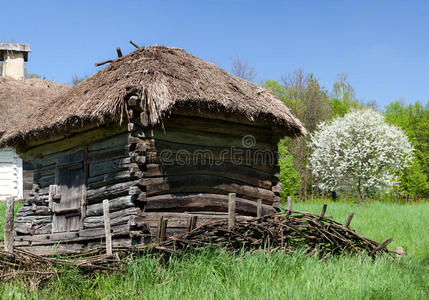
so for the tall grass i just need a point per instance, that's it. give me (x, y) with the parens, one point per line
(217, 274)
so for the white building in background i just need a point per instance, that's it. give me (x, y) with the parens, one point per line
(11, 175)
(19, 97)
(13, 57)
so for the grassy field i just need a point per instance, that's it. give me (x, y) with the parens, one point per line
(260, 275)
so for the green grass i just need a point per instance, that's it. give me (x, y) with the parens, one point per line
(2, 213)
(216, 274)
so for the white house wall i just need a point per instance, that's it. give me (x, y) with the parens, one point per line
(11, 181)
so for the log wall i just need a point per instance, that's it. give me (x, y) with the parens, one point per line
(188, 166)
(108, 175)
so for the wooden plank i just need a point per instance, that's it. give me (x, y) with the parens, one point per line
(107, 232)
(8, 225)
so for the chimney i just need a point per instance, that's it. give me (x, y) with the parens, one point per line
(13, 57)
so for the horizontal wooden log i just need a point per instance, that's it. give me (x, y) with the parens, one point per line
(108, 166)
(110, 142)
(23, 228)
(243, 174)
(109, 191)
(46, 170)
(170, 153)
(73, 139)
(185, 136)
(34, 219)
(110, 178)
(46, 181)
(48, 250)
(116, 218)
(32, 210)
(198, 202)
(114, 205)
(221, 127)
(277, 188)
(180, 220)
(97, 233)
(203, 184)
(108, 154)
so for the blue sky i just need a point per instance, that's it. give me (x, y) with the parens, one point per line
(383, 46)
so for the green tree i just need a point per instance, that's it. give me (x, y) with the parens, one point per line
(289, 176)
(308, 101)
(343, 98)
(414, 120)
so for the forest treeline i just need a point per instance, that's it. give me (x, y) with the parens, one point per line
(312, 104)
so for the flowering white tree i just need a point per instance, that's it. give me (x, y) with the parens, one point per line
(358, 152)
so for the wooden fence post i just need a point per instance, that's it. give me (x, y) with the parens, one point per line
(160, 221)
(163, 235)
(349, 219)
(8, 225)
(259, 208)
(194, 222)
(289, 202)
(107, 232)
(325, 206)
(231, 210)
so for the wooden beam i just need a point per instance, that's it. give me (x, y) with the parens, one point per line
(231, 211)
(289, 202)
(107, 232)
(259, 208)
(8, 226)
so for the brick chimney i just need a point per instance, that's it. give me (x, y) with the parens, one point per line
(13, 57)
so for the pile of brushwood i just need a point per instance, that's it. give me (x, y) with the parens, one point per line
(287, 232)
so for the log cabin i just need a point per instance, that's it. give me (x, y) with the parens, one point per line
(18, 99)
(159, 133)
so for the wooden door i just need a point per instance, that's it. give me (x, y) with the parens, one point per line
(70, 182)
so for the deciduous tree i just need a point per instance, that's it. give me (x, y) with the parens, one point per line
(358, 152)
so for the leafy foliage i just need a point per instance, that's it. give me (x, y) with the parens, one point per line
(289, 176)
(358, 152)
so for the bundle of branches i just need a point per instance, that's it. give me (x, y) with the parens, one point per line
(287, 232)
(23, 264)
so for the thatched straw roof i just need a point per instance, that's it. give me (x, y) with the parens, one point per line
(168, 79)
(19, 98)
